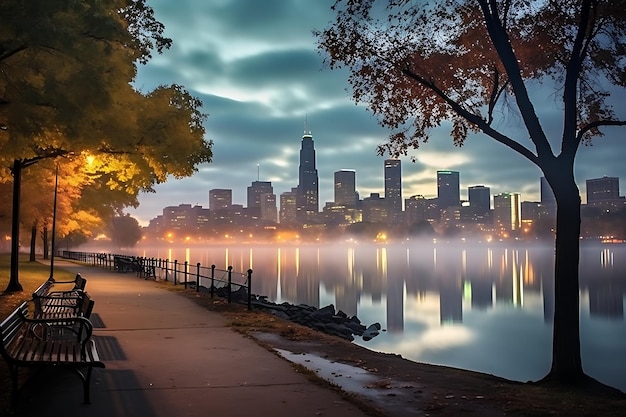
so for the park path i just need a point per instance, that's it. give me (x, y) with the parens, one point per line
(166, 356)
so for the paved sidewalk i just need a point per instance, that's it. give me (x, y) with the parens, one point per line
(166, 356)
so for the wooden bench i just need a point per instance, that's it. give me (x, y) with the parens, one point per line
(122, 264)
(49, 304)
(79, 283)
(27, 344)
(143, 268)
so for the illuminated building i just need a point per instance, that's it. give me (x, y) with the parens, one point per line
(448, 189)
(393, 189)
(307, 205)
(507, 211)
(345, 188)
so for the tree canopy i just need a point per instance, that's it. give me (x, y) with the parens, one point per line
(418, 64)
(66, 93)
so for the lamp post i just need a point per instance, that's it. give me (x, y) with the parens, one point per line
(54, 222)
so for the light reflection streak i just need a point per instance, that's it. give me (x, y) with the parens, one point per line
(279, 292)
(464, 262)
(606, 259)
(350, 259)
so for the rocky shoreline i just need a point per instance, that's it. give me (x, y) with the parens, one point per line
(325, 319)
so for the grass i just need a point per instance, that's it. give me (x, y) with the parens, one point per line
(31, 276)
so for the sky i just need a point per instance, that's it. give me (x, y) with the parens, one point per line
(256, 67)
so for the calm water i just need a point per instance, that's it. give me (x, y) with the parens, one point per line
(484, 308)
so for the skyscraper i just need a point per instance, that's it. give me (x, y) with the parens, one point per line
(287, 214)
(268, 207)
(220, 199)
(256, 190)
(345, 188)
(308, 188)
(393, 188)
(507, 211)
(479, 199)
(448, 189)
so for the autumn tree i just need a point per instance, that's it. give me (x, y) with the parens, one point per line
(66, 72)
(124, 231)
(416, 65)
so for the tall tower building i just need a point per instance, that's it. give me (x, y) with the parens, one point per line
(256, 190)
(393, 189)
(479, 199)
(288, 207)
(345, 188)
(448, 189)
(220, 199)
(507, 211)
(268, 207)
(307, 205)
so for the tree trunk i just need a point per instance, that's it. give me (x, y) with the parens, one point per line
(566, 360)
(44, 237)
(14, 283)
(33, 241)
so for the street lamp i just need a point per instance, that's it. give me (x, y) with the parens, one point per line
(54, 222)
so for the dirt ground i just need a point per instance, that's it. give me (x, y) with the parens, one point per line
(422, 389)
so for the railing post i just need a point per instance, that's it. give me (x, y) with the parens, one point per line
(249, 289)
(212, 280)
(186, 270)
(198, 277)
(175, 270)
(167, 270)
(230, 280)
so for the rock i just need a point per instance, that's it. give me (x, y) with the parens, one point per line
(371, 332)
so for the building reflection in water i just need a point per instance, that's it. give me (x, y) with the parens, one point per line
(463, 277)
(432, 298)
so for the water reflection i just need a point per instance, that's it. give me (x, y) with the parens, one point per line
(486, 308)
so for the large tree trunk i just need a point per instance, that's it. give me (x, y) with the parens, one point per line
(566, 360)
(14, 283)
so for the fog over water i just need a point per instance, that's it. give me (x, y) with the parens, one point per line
(484, 307)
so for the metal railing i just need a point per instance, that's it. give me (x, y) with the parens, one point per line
(221, 282)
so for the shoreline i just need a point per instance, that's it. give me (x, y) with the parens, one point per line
(401, 387)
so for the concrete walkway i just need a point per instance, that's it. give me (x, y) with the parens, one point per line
(166, 356)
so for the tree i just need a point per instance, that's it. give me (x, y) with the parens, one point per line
(418, 64)
(66, 72)
(125, 231)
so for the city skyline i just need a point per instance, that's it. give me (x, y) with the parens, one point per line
(256, 68)
(448, 182)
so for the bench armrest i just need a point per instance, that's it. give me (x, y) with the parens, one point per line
(83, 334)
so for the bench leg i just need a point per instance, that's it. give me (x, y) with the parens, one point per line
(86, 386)
(14, 384)
(85, 378)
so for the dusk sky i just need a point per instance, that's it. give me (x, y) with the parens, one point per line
(256, 67)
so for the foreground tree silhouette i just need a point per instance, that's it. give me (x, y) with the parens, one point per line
(66, 73)
(416, 65)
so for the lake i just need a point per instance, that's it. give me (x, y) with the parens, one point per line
(481, 307)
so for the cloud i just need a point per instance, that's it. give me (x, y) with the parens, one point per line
(256, 67)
